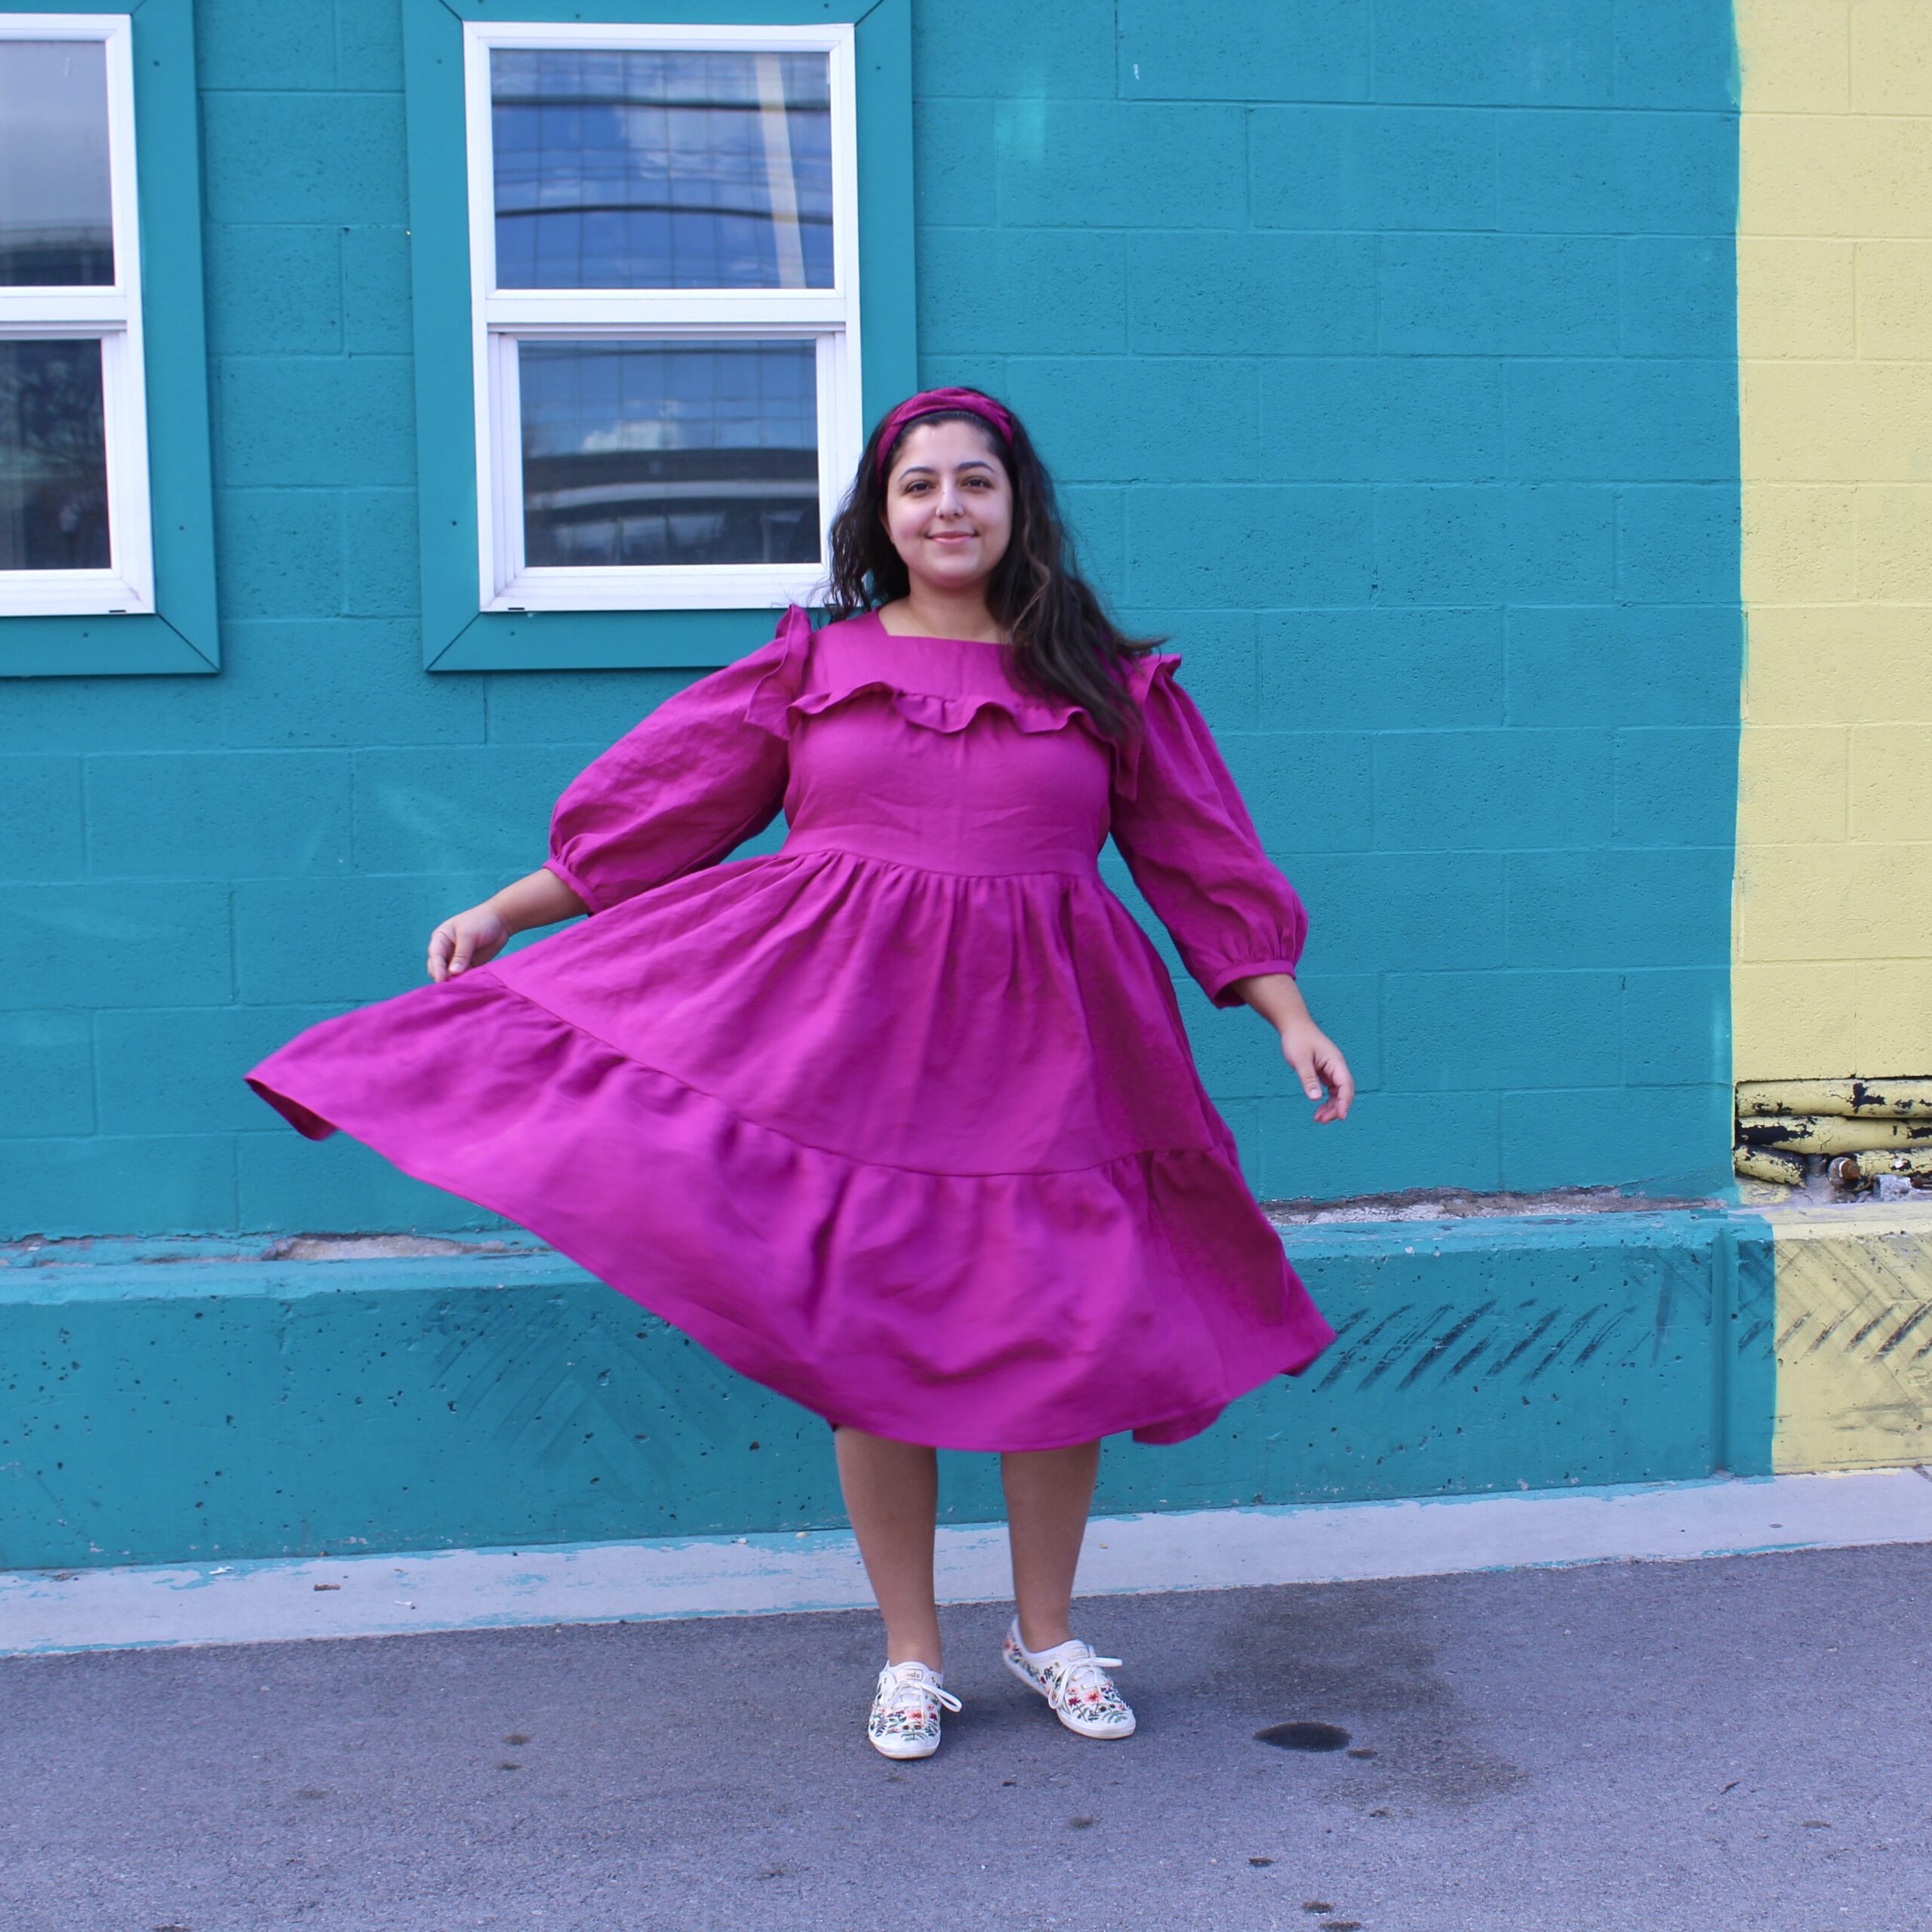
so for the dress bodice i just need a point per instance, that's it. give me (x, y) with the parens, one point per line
(988, 780)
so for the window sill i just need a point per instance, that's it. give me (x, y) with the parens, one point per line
(71, 594)
(87, 646)
(604, 640)
(690, 588)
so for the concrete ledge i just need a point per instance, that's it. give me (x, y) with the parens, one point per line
(176, 1402)
(219, 1401)
(265, 1602)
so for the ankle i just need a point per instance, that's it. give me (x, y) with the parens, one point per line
(920, 1647)
(1036, 1637)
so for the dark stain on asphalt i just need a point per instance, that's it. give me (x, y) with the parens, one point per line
(1365, 1655)
(1303, 1734)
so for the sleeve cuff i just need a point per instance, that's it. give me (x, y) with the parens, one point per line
(575, 884)
(1217, 983)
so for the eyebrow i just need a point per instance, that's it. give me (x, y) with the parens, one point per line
(971, 462)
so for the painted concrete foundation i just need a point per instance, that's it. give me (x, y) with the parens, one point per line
(207, 1405)
(181, 1402)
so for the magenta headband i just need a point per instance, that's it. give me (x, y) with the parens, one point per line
(931, 402)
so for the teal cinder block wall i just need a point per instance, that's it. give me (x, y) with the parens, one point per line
(1386, 350)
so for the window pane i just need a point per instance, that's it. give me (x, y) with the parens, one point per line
(55, 227)
(53, 457)
(618, 170)
(669, 453)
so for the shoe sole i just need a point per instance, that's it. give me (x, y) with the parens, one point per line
(1079, 1730)
(903, 1757)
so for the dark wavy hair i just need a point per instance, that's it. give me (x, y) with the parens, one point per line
(1064, 643)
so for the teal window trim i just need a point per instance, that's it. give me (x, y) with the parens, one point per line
(182, 633)
(457, 635)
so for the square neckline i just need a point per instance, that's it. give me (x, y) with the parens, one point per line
(923, 637)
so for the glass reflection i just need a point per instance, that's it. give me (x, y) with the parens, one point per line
(632, 169)
(53, 457)
(669, 453)
(56, 226)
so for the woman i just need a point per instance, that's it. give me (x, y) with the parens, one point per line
(900, 1121)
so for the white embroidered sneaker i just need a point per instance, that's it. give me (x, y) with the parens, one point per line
(906, 1711)
(1074, 1682)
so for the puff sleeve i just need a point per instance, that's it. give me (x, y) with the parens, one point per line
(1187, 838)
(704, 771)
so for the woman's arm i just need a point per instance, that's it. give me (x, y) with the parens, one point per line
(1317, 1060)
(538, 899)
(704, 771)
(475, 937)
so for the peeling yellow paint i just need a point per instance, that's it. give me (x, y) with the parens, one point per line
(1759, 1163)
(1814, 1135)
(1850, 1099)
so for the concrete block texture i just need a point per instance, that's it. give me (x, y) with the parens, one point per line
(1226, 50)
(1385, 352)
(1834, 251)
(173, 1412)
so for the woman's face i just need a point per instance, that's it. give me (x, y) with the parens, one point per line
(949, 505)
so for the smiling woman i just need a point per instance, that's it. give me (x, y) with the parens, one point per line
(900, 1121)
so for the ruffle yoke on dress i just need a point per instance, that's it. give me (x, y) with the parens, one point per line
(899, 1120)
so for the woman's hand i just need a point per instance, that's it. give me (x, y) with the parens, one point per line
(1317, 1060)
(473, 938)
(1318, 1063)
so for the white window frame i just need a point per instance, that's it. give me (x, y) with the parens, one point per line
(111, 316)
(828, 317)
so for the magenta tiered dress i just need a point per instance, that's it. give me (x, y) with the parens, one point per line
(901, 1120)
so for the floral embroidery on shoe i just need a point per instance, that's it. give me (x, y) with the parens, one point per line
(1074, 1681)
(906, 1704)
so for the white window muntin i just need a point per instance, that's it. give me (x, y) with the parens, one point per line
(113, 316)
(500, 319)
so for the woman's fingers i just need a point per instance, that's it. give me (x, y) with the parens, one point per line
(1341, 1086)
(1300, 1056)
(451, 947)
(1321, 1069)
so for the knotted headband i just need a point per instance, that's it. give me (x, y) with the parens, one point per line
(931, 402)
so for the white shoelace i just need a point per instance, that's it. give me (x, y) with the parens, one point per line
(923, 1684)
(1074, 1677)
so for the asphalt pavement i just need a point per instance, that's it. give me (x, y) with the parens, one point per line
(1716, 1746)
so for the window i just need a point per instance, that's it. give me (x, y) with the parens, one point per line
(662, 228)
(665, 265)
(73, 431)
(106, 504)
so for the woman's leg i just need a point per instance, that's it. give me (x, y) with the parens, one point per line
(1048, 1492)
(892, 1495)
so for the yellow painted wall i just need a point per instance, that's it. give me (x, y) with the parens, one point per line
(1833, 921)
(1854, 1337)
